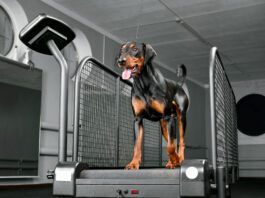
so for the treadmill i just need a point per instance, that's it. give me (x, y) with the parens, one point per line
(48, 35)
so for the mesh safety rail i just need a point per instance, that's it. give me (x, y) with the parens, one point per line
(223, 117)
(103, 113)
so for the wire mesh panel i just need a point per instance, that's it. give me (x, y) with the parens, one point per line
(220, 114)
(105, 134)
(152, 144)
(126, 118)
(223, 116)
(97, 137)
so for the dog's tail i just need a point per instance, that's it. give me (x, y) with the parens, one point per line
(181, 74)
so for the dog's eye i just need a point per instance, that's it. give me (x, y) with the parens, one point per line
(135, 49)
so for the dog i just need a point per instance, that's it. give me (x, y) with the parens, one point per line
(154, 98)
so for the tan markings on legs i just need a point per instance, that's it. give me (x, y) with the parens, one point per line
(163, 124)
(171, 146)
(137, 152)
(181, 146)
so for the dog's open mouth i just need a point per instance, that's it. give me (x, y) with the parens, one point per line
(129, 72)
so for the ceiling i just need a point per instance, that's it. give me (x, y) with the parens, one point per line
(236, 27)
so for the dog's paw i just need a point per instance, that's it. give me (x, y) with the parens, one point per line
(132, 166)
(172, 165)
(181, 159)
(173, 161)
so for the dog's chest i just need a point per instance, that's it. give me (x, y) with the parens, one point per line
(152, 108)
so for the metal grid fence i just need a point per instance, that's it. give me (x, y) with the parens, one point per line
(126, 118)
(223, 116)
(152, 153)
(105, 119)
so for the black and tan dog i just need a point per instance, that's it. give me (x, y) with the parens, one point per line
(154, 98)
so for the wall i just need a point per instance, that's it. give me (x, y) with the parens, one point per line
(50, 92)
(251, 149)
(104, 49)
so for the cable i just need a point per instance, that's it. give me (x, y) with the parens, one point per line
(138, 24)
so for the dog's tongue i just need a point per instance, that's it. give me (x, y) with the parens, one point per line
(126, 74)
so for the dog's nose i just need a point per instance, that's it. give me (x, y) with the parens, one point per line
(121, 61)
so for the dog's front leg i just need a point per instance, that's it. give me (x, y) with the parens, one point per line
(137, 153)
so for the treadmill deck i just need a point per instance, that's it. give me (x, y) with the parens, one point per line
(121, 176)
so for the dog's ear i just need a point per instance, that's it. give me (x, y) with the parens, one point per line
(149, 53)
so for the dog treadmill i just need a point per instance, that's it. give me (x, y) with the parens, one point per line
(49, 35)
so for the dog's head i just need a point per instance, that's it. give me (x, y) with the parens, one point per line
(133, 57)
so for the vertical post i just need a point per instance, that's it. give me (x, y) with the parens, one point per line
(76, 118)
(221, 185)
(63, 99)
(233, 175)
(117, 120)
(212, 107)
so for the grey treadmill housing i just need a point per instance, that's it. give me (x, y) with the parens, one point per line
(200, 186)
(74, 179)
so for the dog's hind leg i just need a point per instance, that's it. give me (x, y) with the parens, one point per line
(181, 104)
(182, 126)
(166, 126)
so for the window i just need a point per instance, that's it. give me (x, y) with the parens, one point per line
(12, 20)
(6, 32)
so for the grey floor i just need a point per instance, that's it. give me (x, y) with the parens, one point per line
(249, 188)
(245, 188)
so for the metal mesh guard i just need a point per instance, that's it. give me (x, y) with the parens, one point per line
(225, 118)
(106, 137)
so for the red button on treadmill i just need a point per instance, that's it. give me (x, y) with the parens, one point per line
(134, 192)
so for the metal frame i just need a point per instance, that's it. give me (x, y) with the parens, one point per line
(226, 173)
(63, 99)
(77, 98)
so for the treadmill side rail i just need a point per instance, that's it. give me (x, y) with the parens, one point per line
(65, 178)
